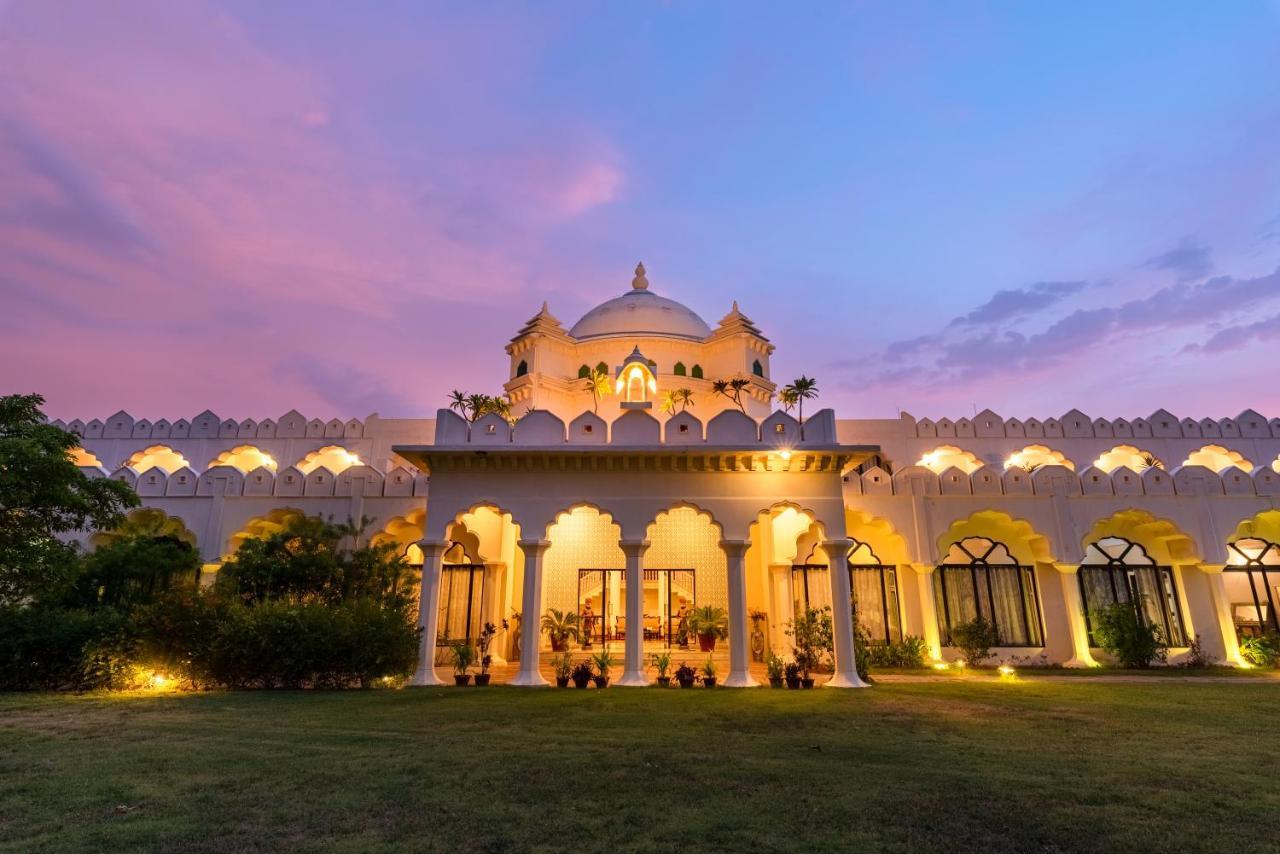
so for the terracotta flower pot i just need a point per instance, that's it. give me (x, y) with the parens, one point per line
(562, 681)
(601, 681)
(461, 679)
(706, 643)
(482, 679)
(664, 681)
(558, 645)
(708, 681)
(776, 683)
(582, 683)
(686, 683)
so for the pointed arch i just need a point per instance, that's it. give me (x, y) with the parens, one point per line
(696, 372)
(522, 368)
(678, 369)
(584, 371)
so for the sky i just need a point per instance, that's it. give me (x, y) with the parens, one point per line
(348, 208)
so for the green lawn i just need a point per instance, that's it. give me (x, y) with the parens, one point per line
(955, 764)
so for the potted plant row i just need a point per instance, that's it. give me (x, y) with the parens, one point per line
(463, 657)
(709, 673)
(563, 666)
(603, 664)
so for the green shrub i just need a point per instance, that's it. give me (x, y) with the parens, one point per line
(50, 649)
(1262, 651)
(974, 639)
(910, 653)
(1121, 632)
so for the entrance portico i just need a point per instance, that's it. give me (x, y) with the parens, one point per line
(608, 509)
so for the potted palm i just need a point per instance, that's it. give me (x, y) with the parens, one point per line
(773, 667)
(603, 663)
(562, 665)
(709, 673)
(463, 657)
(483, 642)
(709, 623)
(662, 661)
(581, 674)
(686, 675)
(561, 626)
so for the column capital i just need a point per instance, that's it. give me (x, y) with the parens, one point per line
(432, 548)
(735, 548)
(837, 549)
(534, 546)
(1066, 568)
(1208, 568)
(923, 568)
(637, 547)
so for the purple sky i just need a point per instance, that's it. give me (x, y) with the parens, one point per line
(348, 208)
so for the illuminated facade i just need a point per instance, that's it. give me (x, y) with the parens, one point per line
(626, 487)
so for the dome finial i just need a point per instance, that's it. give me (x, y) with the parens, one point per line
(640, 283)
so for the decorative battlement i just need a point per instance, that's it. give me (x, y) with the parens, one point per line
(636, 428)
(207, 425)
(1161, 424)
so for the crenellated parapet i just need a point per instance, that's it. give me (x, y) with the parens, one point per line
(1074, 424)
(1060, 480)
(638, 428)
(208, 425)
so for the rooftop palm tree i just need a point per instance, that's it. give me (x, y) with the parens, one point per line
(732, 389)
(681, 397)
(804, 388)
(598, 383)
(788, 399)
(458, 402)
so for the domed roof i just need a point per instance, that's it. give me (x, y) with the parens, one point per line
(641, 312)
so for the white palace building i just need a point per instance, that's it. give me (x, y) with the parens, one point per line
(616, 505)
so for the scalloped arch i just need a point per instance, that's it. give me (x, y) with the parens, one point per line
(1218, 458)
(878, 534)
(157, 456)
(1261, 526)
(1163, 541)
(944, 457)
(87, 459)
(245, 458)
(335, 458)
(145, 522)
(1130, 456)
(1034, 456)
(259, 527)
(685, 505)
(1026, 544)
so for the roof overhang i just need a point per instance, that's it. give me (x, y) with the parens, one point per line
(837, 459)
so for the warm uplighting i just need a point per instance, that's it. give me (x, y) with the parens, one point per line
(945, 457)
(333, 457)
(786, 455)
(633, 382)
(246, 458)
(940, 665)
(157, 456)
(1128, 456)
(1007, 671)
(1218, 459)
(1035, 456)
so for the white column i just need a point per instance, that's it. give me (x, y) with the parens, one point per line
(926, 578)
(1221, 604)
(735, 552)
(429, 612)
(531, 615)
(492, 607)
(846, 670)
(633, 660)
(1081, 655)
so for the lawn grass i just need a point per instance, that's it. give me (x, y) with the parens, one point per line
(946, 765)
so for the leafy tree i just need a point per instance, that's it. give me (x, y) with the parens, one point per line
(974, 639)
(798, 391)
(133, 570)
(43, 495)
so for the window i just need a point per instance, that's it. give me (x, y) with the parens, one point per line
(873, 588)
(461, 595)
(684, 428)
(653, 366)
(979, 578)
(696, 373)
(1117, 570)
(587, 428)
(678, 370)
(522, 368)
(602, 368)
(757, 368)
(779, 428)
(1256, 563)
(584, 372)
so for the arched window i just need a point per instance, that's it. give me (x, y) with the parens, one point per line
(602, 368)
(653, 366)
(584, 372)
(522, 368)
(157, 456)
(1253, 605)
(1116, 570)
(1033, 457)
(757, 368)
(696, 373)
(979, 578)
(333, 457)
(946, 457)
(1129, 456)
(678, 370)
(246, 458)
(1218, 459)
(873, 590)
